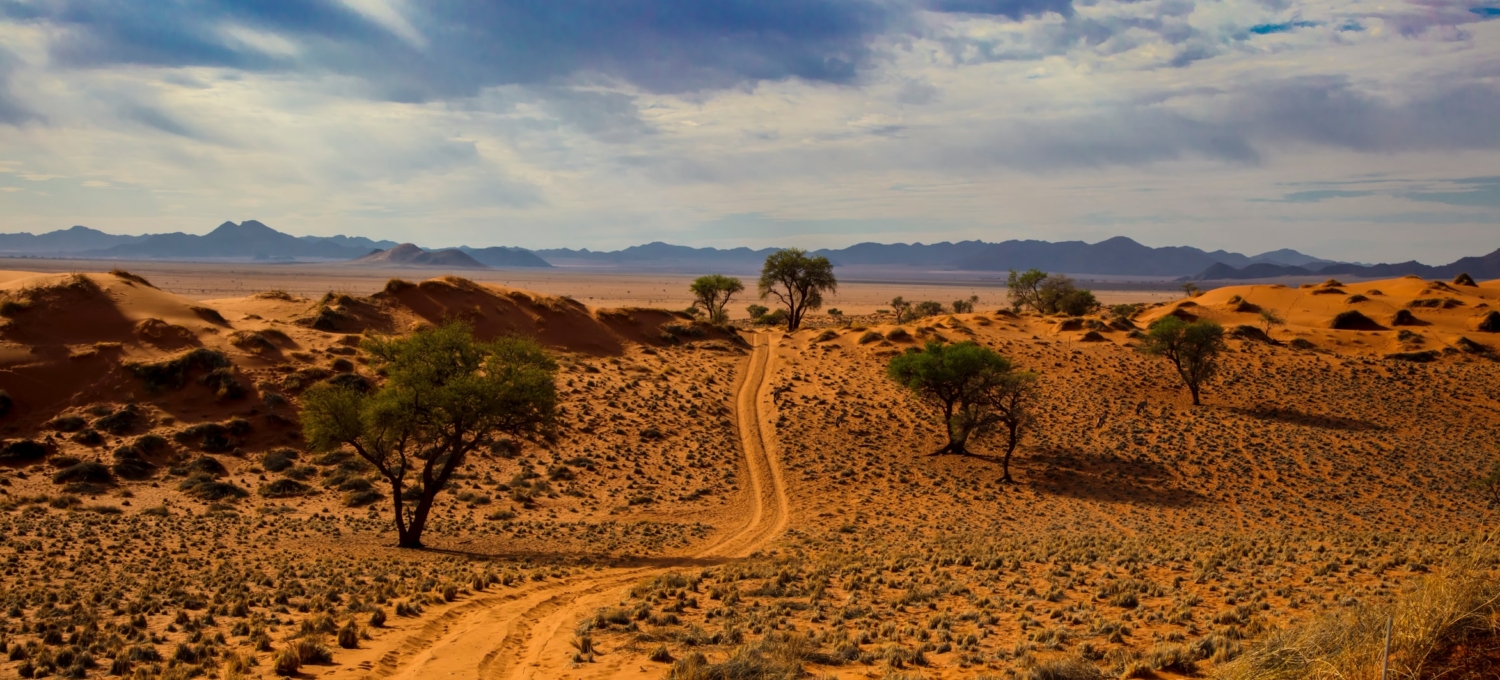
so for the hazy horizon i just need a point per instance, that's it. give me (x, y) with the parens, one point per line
(1344, 130)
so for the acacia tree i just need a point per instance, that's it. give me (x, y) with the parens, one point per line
(713, 293)
(978, 390)
(446, 395)
(798, 281)
(1025, 289)
(1193, 348)
(1270, 319)
(902, 308)
(1048, 293)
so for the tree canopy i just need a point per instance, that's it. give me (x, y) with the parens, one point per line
(446, 394)
(713, 293)
(798, 281)
(979, 392)
(1193, 348)
(1048, 293)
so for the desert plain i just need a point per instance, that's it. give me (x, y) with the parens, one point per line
(742, 501)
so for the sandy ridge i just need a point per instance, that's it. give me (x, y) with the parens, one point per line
(534, 627)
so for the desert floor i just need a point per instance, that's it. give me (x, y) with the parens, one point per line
(863, 293)
(748, 495)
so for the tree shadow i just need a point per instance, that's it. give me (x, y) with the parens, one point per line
(1292, 416)
(1073, 474)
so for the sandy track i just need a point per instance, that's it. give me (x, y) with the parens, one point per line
(527, 632)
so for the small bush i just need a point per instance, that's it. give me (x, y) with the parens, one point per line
(67, 423)
(285, 488)
(1072, 668)
(22, 451)
(869, 337)
(210, 437)
(898, 334)
(121, 421)
(136, 278)
(772, 319)
(224, 384)
(206, 488)
(287, 662)
(355, 499)
(210, 315)
(353, 381)
(277, 460)
(89, 471)
(252, 342)
(348, 637)
(129, 464)
(174, 373)
(1353, 320)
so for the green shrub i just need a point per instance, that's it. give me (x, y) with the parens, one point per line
(22, 451)
(88, 471)
(173, 373)
(67, 423)
(205, 488)
(285, 488)
(121, 421)
(129, 464)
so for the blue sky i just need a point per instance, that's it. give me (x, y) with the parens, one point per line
(1355, 130)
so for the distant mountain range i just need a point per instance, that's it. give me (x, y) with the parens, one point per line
(1485, 267)
(252, 240)
(1119, 256)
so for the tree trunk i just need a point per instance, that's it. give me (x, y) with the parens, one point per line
(1010, 447)
(1193, 387)
(403, 532)
(413, 538)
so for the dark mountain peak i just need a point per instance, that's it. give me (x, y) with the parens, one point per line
(226, 227)
(404, 251)
(255, 225)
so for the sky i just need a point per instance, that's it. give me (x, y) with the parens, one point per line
(1365, 131)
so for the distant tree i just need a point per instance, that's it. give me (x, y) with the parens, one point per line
(1049, 293)
(1124, 312)
(446, 395)
(1078, 302)
(927, 308)
(713, 293)
(1270, 319)
(1490, 483)
(1191, 289)
(965, 306)
(757, 311)
(1025, 289)
(798, 281)
(978, 391)
(837, 314)
(1193, 348)
(902, 308)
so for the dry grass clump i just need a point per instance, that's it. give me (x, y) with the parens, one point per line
(1433, 615)
(122, 274)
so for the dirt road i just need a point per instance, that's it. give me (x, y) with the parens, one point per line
(527, 632)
